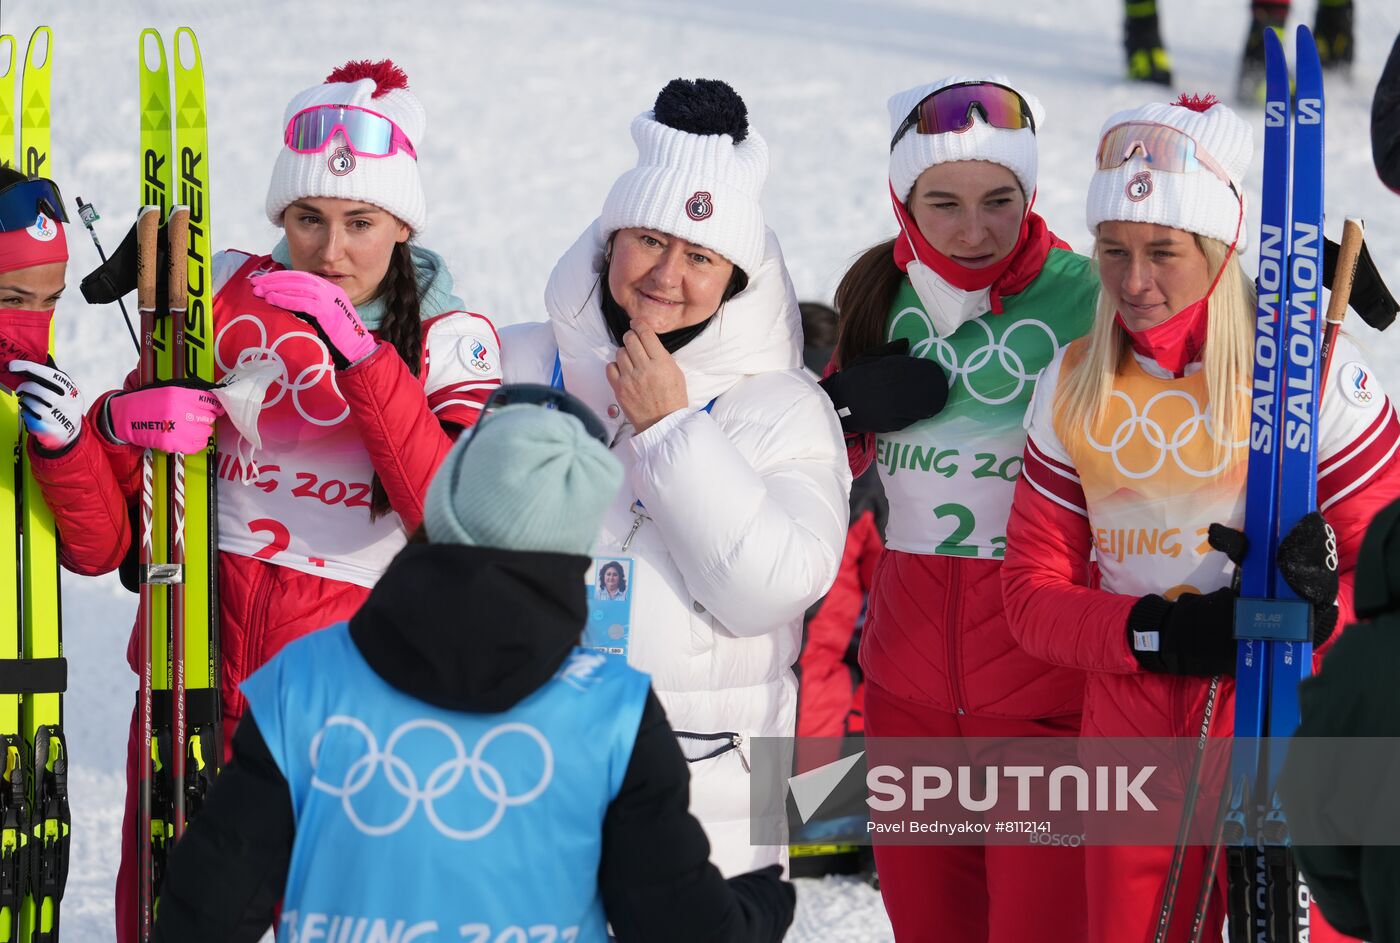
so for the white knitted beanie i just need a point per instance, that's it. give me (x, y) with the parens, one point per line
(1197, 201)
(390, 183)
(914, 153)
(700, 171)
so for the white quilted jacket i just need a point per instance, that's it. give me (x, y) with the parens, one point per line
(745, 518)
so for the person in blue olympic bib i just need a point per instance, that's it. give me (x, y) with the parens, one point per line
(433, 771)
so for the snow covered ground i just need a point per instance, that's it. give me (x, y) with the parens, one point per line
(528, 104)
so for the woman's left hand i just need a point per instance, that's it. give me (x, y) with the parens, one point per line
(324, 306)
(646, 379)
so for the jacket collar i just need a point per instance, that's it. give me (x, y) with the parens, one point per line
(757, 331)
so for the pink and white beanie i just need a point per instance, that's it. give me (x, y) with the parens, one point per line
(391, 183)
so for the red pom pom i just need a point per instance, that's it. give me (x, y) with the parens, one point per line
(386, 75)
(1197, 102)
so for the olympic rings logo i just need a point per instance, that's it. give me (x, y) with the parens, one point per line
(308, 378)
(1157, 439)
(1010, 364)
(444, 779)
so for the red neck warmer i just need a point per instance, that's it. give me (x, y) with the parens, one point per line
(1007, 277)
(1175, 342)
(1179, 339)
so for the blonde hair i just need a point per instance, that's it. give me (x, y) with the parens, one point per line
(1095, 360)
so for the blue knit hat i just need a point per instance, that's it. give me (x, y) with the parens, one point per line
(527, 478)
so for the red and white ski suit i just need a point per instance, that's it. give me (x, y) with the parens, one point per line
(298, 550)
(1141, 502)
(938, 658)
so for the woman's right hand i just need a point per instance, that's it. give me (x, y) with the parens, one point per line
(170, 416)
(50, 403)
(885, 390)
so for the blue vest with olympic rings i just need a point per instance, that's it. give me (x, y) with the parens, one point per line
(417, 824)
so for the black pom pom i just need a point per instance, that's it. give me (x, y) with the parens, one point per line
(702, 106)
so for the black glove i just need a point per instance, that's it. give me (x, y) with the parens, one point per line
(116, 278)
(1369, 296)
(885, 390)
(1195, 635)
(1307, 558)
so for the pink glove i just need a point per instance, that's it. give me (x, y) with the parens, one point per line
(322, 305)
(174, 416)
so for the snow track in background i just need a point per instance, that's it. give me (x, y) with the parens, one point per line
(528, 109)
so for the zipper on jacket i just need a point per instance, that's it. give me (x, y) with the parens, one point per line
(722, 742)
(638, 516)
(954, 669)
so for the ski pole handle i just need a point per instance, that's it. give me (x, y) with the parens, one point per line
(147, 232)
(1352, 233)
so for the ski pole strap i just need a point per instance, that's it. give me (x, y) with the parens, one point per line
(34, 676)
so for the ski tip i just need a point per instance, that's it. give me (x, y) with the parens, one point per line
(45, 34)
(186, 33)
(146, 211)
(152, 54)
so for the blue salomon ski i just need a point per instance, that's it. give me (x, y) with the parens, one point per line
(1268, 902)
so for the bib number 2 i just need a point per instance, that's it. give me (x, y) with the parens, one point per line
(964, 523)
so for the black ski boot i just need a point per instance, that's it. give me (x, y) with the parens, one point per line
(1334, 31)
(1142, 41)
(1262, 16)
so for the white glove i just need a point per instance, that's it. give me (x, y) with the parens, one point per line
(50, 403)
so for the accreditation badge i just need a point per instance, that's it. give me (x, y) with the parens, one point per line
(609, 581)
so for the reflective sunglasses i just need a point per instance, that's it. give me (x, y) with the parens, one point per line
(537, 394)
(367, 133)
(22, 203)
(951, 109)
(1162, 147)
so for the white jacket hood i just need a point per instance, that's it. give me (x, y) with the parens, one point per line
(756, 331)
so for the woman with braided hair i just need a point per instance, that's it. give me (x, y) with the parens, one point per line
(367, 368)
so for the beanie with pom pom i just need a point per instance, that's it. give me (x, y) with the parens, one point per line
(1196, 200)
(700, 171)
(390, 183)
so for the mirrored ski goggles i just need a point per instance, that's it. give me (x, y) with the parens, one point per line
(22, 203)
(367, 133)
(952, 108)
(1162, 147)
(537, 394)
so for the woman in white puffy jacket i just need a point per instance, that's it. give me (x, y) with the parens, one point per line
(674, 318)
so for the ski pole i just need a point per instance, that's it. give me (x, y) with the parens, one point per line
(1352, 232)
(1188, 809)
(88, 214)
(179, 230)
(146, 230)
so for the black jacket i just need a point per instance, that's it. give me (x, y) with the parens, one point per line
(1356, 694)
(226, 876)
